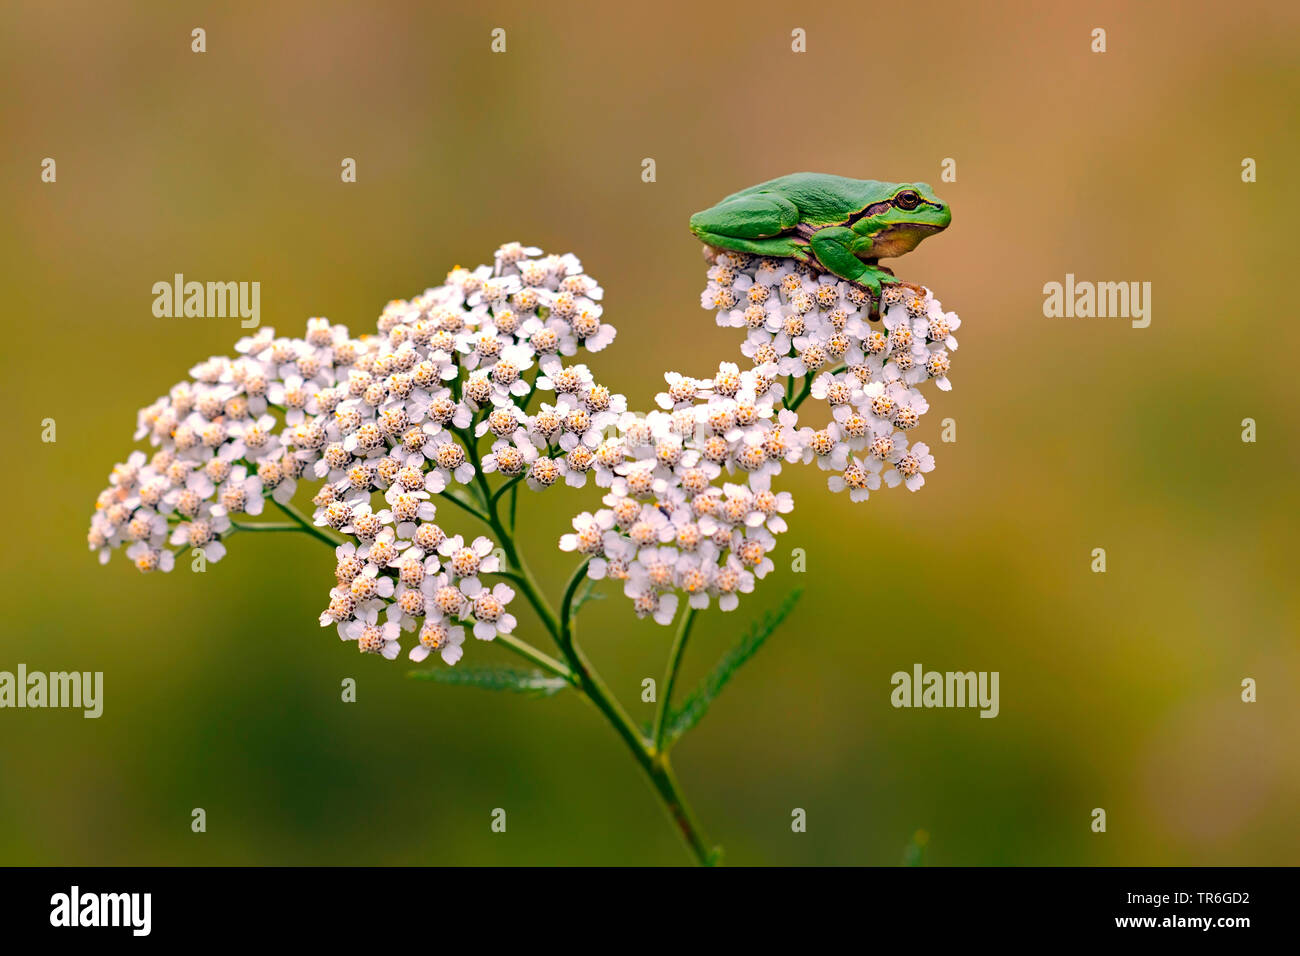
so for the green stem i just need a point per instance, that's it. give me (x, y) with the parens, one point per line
(803, 393)
(654, 763)
(670, 678)
(306, 526)
(588, 682)
(528, 399)
(679, 811)
(266, 526)
(464, 505)
(533, 593)
(566, 605)
(508, 486)
(544, 661)
(516, 570)
(480, 479)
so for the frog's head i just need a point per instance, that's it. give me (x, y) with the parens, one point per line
(906, 214)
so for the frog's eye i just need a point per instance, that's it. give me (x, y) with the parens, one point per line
(907, 199)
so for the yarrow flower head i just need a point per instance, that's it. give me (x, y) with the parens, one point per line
(691, 514)
(866, 372)
(387, 423)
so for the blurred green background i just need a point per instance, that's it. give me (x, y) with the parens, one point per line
(1118, 690)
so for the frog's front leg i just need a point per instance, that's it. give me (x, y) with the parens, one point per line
(839, 250)
(918, 289)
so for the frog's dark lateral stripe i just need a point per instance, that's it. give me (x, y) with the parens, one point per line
(876, 208)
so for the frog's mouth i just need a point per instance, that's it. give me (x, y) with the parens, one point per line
(900, 237)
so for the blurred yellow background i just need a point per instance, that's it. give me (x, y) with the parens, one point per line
(1118, 690)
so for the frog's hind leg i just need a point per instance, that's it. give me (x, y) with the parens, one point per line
(760, 223)
(754, 216)
(780, 247)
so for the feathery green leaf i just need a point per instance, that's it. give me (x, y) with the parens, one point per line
(534, 683)
(586, 593)
(697, 702)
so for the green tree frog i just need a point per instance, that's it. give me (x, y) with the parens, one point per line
(844, 226)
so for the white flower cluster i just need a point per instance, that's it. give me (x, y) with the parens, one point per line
(386, 421)
(219, 453)
(691, 510)
(670, 525)
(451, 366)
(868, 370)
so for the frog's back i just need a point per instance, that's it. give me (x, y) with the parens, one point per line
(822, 198)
